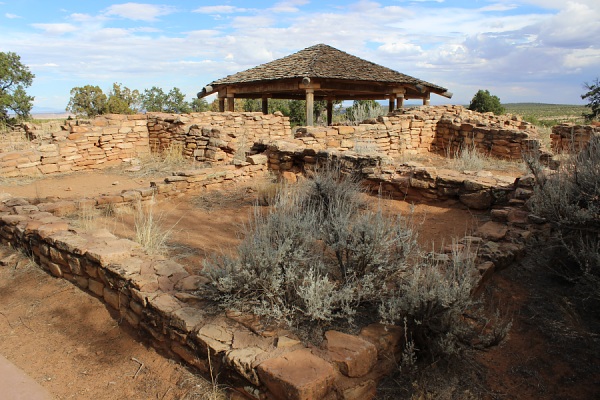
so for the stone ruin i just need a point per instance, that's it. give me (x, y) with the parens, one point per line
(157, 296)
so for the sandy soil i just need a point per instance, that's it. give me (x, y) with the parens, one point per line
(70, 343)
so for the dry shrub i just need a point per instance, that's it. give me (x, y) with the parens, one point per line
(569, 198)
(321, 257)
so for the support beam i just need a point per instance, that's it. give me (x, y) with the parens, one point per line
(400, 101)
(329, 111)
(230, 103)
(310, 104)
(392, 103)
(221, 104)
(426, 99)
(265, 105)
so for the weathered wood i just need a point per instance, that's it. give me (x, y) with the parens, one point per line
(265, 105)
(221, 104)
(230, 103)
(310, 101)
(329, 111)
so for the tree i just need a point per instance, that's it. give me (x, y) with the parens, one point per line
(483, 101)
(363, 109)
(593, 97)
(14, 78)
(88, 101)
(199, 105)
(176, 102)
(154, 99)
(122, 100)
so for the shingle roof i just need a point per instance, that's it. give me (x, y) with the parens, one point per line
(323, 61)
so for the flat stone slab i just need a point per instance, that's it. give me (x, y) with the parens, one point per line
(491, 230)
(298, 375)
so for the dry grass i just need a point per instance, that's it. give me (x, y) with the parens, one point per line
(153, 164)
(150, 230)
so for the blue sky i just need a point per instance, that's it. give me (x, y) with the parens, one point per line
(521, 50)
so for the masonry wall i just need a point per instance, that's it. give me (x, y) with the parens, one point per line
(567, 138)
(215, 137)
(77, 145)
(441, 129)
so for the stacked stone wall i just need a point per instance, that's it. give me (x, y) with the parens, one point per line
(214, 136)
(568, 138)
(441, 129)
(76, 145)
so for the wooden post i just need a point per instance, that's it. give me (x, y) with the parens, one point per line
(426, 99)
(221, 104)
(230, 103)
(310, 104)
(400, 101)
(392, 103)
(265, 105)
(329, 111)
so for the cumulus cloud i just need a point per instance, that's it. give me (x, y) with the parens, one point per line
(56, 29)
(139, 11)
(290, 6)
(12, 16)
(501, 45)
(219, 10)
(576, 26)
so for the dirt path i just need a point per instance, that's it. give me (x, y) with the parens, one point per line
(68, 341)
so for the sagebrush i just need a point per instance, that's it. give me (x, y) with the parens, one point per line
(321, 256)
(569, 198)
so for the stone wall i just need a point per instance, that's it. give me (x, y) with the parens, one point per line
(567, 138)
(226, 138)
(77, 145)
(407, 181)
(441, 129)
(214, 136)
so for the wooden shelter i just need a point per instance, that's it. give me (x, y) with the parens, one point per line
(321, 72)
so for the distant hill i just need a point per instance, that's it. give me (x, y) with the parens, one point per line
(547, 114)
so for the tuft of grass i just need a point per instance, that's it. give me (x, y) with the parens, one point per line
(154, 164)
(468, 158)
(150, 230)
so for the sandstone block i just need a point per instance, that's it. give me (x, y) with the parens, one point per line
(491, 230)
(481, 200)
(298, 375)
(257, 159)
(186, 318)
(216, 336)
(354, 356)
(96, 287)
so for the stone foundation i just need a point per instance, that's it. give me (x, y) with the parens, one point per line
(78, 145)
(440, 129)
(569, 138)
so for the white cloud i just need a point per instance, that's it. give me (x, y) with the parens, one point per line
(56, 29)
(290, 6)
(139, 11)
(218, 10)
(576, 26)
(12, 16)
